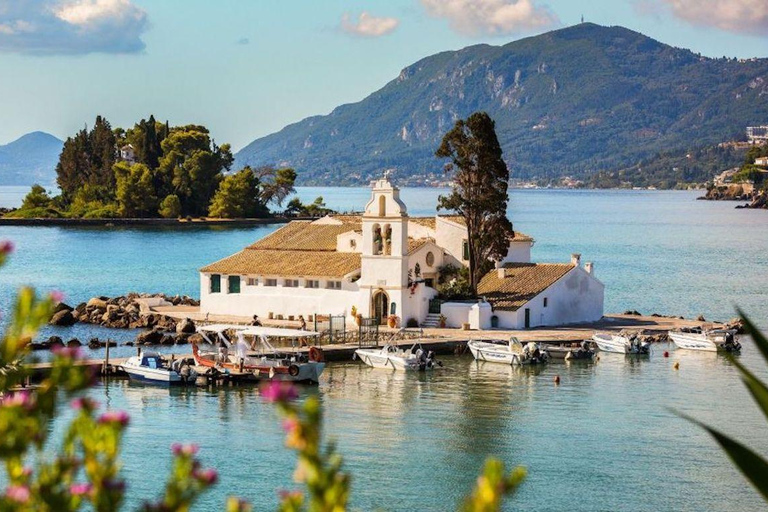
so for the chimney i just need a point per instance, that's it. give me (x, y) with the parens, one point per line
(502, 273)
(576, 259)
(590, 268)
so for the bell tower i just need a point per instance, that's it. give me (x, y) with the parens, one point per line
(384, 259)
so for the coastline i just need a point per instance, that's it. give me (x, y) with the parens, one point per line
(106, 222)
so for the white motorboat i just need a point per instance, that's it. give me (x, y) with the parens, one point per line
(395, 358)
(508, 351)
(707, 340)
(246, 349)
(151, 367)
(621, 344)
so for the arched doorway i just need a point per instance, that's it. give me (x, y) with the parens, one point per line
(380, 306)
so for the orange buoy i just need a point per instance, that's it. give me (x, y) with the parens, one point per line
(666, 354)
(557, 379)
(676, 366)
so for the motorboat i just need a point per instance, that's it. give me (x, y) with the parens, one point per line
(712, 340)
(581, 353)
(247, 349)
(621, 344)
(393, 357)
(510, 351)
(151, 367)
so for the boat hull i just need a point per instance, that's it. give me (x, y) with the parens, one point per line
(376, 359)
(308, 372)
(153, 376)
(688, 341)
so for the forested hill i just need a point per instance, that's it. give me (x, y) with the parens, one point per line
(570, 102)
(30, 159)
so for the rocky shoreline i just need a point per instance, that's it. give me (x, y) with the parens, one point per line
(753, 199)
(131, 311)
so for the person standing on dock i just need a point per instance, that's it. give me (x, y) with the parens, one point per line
(256, 321)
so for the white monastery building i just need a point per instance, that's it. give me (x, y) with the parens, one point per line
(384, 263)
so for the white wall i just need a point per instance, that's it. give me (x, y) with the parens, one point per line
(420, 257)
(519, 252)
(450, 236)
(576, 297)
(455, 313)
(279, 300)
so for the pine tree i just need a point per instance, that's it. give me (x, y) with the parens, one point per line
(479, 194)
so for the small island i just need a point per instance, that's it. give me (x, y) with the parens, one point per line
(157, 173)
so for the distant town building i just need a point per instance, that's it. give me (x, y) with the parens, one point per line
(725, 177)
(127, 153)
(762, 161)
(757, 134)
(384, 263)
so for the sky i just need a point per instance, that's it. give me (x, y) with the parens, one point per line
(246, 68)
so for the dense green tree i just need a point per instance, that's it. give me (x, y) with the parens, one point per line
(103, 154)
(170, 207)
(135, 191)
(276, 184)
(73, 168)
(480, 178)
(192, 167)
(238, 197)
(36, 198)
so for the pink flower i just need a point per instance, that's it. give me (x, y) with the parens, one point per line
(57, 296)
(19, 399)
(6, 247)
(184, 449)
(84, 403)
(277, 391)
(80, 489)
(18, 493)
(287, 495)
(290, 425)
(206, 476)
(68, 352)
(120, 417)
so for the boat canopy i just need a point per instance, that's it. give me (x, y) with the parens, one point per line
(255, 330)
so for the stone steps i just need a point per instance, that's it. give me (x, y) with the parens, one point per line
(432, 321)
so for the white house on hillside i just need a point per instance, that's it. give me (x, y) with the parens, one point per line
(384, 262)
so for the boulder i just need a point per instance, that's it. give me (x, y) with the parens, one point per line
(63, 318)
(701, 318)
(74, 342)
(632, 312)
(98, 302)
(182, 339)
(168, 339)
(196, 339)
(55, 340)
(186, 326)
(62, 307)
(166, 323)
(94, 343)
(152, 337)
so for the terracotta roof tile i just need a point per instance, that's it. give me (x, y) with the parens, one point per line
(522, 282)
(287, 263)
(303, 236)
(415, 244)
(458, 219)
(428, 222)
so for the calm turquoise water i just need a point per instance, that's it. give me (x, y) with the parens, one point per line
(602, 440)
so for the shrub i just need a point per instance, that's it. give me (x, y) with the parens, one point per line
(170, 207)
(412, 322)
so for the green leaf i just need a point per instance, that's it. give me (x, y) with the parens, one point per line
(760, 341)
(754, 385)
(752, 465)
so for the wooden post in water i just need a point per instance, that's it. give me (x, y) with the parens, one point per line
(105, 370)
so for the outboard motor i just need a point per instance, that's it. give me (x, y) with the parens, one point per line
(730, 344)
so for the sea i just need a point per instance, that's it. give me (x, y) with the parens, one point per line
(607, 438)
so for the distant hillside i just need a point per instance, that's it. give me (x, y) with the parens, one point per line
(570, 102)
(30, 159)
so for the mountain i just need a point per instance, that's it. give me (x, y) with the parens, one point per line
(30, 159)
(569, 102)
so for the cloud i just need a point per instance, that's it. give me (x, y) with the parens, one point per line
(46, 27)
(368, 25)
(738, 16)
(492, 17)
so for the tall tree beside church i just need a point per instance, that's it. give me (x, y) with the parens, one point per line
(276, 184)
(479, 195)
(238, 197)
